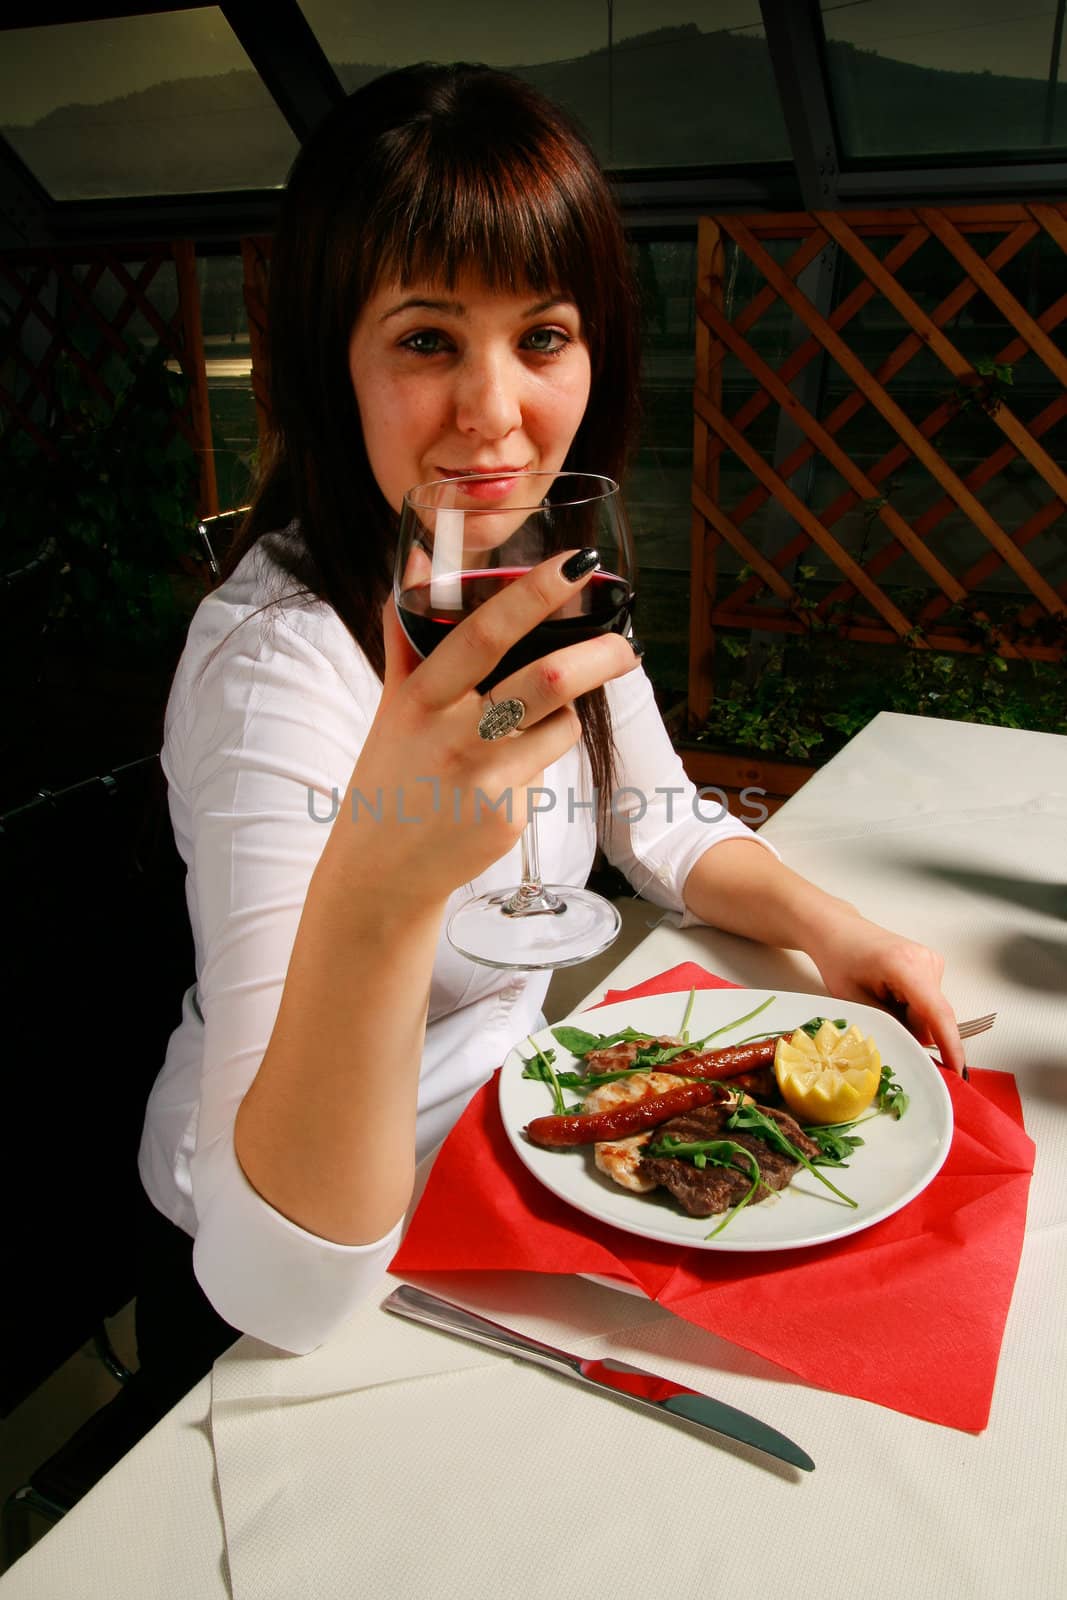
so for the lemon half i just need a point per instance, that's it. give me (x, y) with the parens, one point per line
(831, 1078)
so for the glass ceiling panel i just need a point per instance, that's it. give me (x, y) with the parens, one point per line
(654, 82)
(914, 79)
(164, 104)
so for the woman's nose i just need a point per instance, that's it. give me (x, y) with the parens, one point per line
(489, 397)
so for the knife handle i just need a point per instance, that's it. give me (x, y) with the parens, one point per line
(420, 1306)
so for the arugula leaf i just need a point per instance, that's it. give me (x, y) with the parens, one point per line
(580, 1043)
(729, 1026)
(720, 1151)
(812, 1027)
(539, 1067)
(835, 1141)
(657, 1054)
(750, 1119)
(589, 1080)
(593, 1080)
(891, 1097)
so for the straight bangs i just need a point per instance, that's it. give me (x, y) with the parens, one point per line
(521, 219)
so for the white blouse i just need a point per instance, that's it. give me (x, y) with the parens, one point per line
(266, 718)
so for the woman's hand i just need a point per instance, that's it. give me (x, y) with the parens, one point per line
(740, 887)
(362, 962)
(434, 804)
(858, 960)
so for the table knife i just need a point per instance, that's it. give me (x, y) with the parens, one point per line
(612, 1377)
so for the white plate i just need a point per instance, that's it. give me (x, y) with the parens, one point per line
(896, 1162)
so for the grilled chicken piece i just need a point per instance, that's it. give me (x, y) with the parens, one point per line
(620, 1159)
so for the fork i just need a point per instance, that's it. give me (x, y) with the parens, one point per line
(977, 1025)
(968, 1029)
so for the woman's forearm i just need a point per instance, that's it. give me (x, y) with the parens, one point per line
(742, 888)
(326, 1132)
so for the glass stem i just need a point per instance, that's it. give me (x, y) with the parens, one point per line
(532, 899)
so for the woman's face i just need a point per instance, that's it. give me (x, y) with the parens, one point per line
(468, 379)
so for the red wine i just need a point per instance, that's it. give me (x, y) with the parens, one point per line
(603, 605)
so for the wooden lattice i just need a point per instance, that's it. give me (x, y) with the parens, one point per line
(55, 299)
(879, 244)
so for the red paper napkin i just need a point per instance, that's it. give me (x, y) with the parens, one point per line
(909, 1313)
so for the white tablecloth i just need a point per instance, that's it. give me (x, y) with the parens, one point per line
(397, 1461)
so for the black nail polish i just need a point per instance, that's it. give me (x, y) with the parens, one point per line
(636, 646)
(965, 1075)
(578, 565)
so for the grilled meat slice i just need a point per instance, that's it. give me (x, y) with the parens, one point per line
(761, 1084)
(707, 1191)
(617, 1057)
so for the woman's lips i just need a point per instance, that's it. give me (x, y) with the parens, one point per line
(490, 485)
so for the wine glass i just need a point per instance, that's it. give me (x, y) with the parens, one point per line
(460, 541)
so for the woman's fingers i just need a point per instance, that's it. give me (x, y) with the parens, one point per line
(931, 1017)
(916, 986)
(866, 962)
(561, 677)
(468, 655)
(401, 657)
(526, 760)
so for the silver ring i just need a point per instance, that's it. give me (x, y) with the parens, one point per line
(498, 720)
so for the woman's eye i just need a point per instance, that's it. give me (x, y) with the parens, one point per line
(547, 341)
(424, 342)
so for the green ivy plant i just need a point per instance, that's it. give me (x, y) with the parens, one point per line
(987, 391)
(118, 497)
(808, 693)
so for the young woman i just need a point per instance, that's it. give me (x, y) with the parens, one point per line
(450, 294)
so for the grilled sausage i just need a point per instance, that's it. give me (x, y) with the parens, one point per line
(725, 1063)
(554, 1133)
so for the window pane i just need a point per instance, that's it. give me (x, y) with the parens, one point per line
(166, 104)
(910, 78)
(653, 82)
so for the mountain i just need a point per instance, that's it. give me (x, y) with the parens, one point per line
(678, 97)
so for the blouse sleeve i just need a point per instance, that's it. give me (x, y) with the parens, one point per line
(267, 750)
(659, 824)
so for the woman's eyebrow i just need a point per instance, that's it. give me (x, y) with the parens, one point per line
(452, 308)
(456, 308)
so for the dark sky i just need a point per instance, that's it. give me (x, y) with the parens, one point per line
(91, 62)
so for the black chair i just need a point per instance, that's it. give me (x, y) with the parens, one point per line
(26, 596)
(100, 954)
(217, 533)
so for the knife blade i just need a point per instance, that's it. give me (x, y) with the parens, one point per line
(616, 1378)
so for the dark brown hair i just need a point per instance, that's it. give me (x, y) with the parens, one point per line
(423, 174)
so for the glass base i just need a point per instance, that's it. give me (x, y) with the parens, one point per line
(483, 931)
